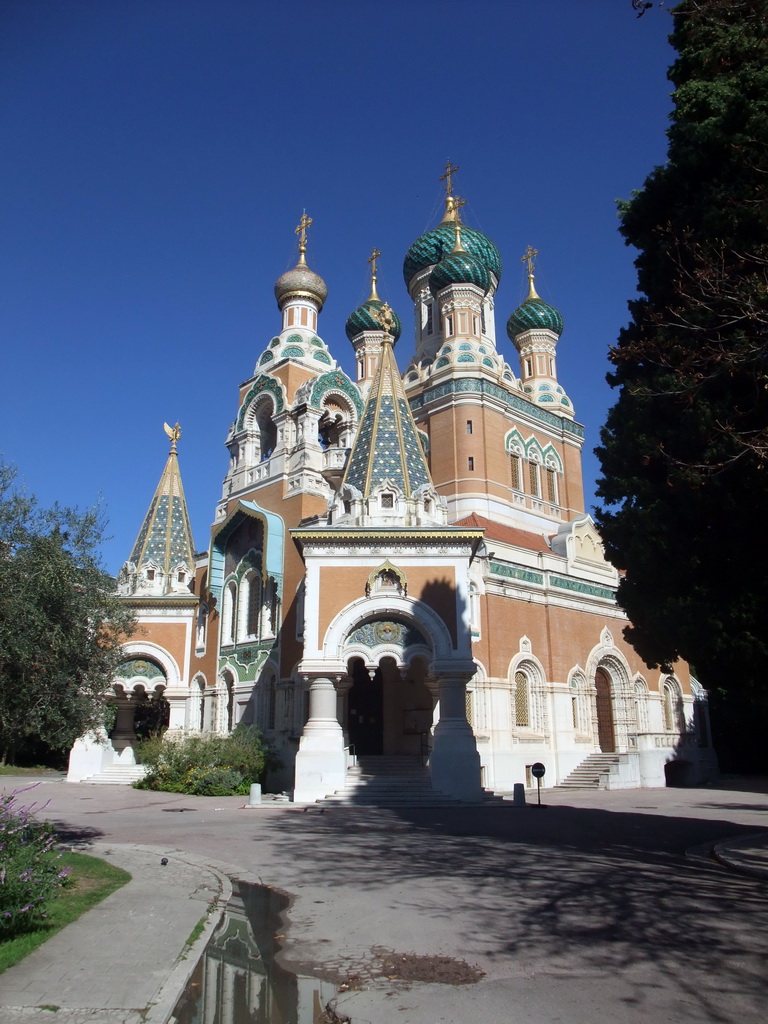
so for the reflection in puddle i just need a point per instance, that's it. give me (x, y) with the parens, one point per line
(236, 981)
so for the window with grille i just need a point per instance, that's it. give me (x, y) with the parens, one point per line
(522, 714)
(254, 605)
(468, 707)
(482, 318)
(517, 476)
(387, 501)
(551, 486)
(533, 475)
(429, 325)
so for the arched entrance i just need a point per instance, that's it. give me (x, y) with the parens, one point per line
(388, 711)
(606, 734)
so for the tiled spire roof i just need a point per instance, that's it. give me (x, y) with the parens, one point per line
(387, 446)
(165, 537)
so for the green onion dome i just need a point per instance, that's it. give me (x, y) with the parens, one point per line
(301, 282)
(431, 248)
(459, 267)
(534, 314)
(364, 319)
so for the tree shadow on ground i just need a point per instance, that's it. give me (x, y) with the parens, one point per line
(574, 889)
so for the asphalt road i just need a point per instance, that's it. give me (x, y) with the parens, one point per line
(584, 910)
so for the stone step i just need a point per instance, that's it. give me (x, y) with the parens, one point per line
(589, 773)
(118, 775)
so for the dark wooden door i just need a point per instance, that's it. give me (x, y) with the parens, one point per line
(605, 731)
(365, 711)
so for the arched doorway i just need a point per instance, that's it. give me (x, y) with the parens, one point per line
(604, 699)
(388, 711)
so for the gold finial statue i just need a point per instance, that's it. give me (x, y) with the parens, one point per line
(301, 231)
(375, 253)
(528, 257)
(174, 433)
(386, 318)
(450, 170)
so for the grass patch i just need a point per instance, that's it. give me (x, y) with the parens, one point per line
(92, 880)
(12, 769)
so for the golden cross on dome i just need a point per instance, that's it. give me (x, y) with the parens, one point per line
(301, 231)
(375, 253)
(174, 433)
(450, 170)
(528, 257)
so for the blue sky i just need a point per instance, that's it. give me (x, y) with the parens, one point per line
(157, 155)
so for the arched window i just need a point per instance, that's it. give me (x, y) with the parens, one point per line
(672, 706)
(228, 621)
(533, 479)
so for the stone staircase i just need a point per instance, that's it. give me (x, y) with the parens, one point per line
(590, 774)
(387, 781)
(118, 775)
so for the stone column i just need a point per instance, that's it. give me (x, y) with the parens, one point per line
(455, 762)
(320, 761)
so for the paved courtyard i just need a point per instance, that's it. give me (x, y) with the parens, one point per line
(584, 910)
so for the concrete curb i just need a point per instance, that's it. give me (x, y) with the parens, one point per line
(159, 1011)
(748, 855)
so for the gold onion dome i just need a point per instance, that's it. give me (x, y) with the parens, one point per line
(301, 282)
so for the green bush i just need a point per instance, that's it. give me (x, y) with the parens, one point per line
(30, 874)
(205, 765)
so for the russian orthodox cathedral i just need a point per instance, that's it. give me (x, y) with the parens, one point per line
(401, 575)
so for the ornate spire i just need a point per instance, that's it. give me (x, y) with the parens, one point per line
(387, 447)
(165, 539)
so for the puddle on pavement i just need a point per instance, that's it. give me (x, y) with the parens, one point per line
(237, 981)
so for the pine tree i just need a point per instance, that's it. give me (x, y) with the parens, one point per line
(684, 450)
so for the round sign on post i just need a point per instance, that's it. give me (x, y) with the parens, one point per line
(537, 771)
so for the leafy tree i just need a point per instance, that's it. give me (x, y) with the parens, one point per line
(60, 623)
(685, 447)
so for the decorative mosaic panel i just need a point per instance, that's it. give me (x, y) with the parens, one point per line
(139, 667)
(582, 588)
(515, 573)
(401, 634)
(512, 401)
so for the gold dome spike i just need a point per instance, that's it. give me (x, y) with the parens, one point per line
(528, 257)
(375, 253)
(457, 205)
(301, 231)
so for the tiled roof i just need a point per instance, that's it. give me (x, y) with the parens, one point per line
(505, 534)
(165, 538)
(387, 445)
